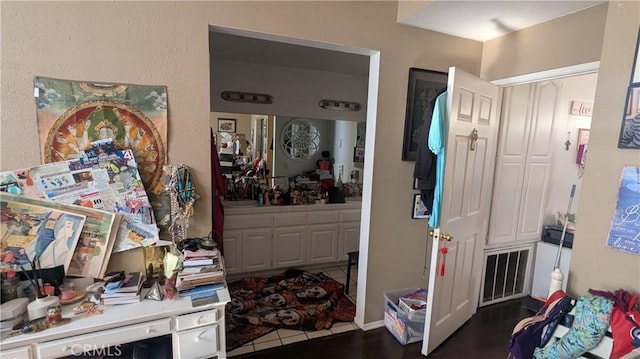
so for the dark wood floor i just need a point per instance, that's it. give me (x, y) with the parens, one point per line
(485, 335)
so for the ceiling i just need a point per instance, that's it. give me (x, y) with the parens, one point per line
(486, 19)
(473, 19)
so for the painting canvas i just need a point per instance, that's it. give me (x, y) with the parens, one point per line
(624, 233)
(30, 232)
(424, 87)
(72, 114)
(91, 254)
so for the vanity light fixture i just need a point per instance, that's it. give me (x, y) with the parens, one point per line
(237, 96)
(340, 105)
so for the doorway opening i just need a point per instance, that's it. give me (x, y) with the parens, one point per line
(291, 74)
(534, 177)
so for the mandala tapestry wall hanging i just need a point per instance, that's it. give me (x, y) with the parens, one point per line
(72, 114)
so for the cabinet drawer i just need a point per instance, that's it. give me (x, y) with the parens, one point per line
(194, 320)
(101, 340)
(248, 221)
(196, 343)
(17, 353)
(290, 219)
(350, 215)
(321, 217)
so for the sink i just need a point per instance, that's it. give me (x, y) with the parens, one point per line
(241, 204)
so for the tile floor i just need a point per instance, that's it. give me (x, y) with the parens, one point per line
(287, 336)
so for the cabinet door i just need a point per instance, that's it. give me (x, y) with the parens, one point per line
(232, 258)
(288, 246)
(349, 240)
(256, 249)
(322, 243)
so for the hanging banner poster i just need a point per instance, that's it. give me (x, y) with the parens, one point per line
(72, 114)
(625, 226)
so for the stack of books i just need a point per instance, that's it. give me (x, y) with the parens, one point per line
(126, 291)
(200, 268)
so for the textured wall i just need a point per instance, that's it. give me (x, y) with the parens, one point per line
(167, 43)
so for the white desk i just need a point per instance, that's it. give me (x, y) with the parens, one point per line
(196, 332)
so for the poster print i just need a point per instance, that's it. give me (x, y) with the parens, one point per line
(624, 233)
(108, 182)
(93, 250)
(424, 86)
(72, 114)
(30, 232)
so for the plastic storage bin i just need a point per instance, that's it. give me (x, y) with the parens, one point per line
(406, 327)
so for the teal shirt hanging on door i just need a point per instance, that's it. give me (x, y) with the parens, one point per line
(437, 145)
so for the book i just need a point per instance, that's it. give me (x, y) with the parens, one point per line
(200, 253)
(126, 300)
(203, 289)
(131, 283)
(198, 262)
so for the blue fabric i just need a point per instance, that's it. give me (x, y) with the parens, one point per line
(437, 145)
(590, 324)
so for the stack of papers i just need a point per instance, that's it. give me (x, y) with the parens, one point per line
(200, 268)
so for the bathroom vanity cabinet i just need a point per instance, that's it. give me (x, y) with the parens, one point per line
(272, 237)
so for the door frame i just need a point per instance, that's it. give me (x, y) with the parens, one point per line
(568, 71)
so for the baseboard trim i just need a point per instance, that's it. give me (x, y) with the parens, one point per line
(373, 325)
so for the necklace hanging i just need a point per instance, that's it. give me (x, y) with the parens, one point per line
(181, 191)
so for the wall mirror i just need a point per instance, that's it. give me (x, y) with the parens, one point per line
(300, 139)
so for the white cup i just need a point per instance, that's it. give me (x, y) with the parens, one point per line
(38, 308)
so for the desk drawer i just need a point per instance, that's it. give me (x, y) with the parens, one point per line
(101, 340)
(196, 343)
(17, 353)
(194, 320)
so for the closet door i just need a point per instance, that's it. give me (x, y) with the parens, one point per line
(510, 163)
(538, 163)
(523, 163)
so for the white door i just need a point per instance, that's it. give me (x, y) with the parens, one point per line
(472, 107)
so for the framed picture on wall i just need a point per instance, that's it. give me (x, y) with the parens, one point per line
(419, 209)
(630, 129)
(424, 87)
(358, 154)
(226, 125)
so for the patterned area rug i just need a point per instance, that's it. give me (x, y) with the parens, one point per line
(294, 299)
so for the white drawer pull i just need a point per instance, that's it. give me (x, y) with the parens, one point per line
(197, 339)
(66, 349)
(149, 331)
(199, 320)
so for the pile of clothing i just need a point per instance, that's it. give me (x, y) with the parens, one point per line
(593, 315)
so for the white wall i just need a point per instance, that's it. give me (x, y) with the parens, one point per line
(296, 92)
(343, 144)
(564, 170)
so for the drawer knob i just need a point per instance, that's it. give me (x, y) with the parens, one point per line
(149, 331)
(66, 349)
(198, 338)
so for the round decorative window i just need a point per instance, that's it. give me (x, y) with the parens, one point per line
(300, 139)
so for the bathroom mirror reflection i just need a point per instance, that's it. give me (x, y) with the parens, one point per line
(285, 153)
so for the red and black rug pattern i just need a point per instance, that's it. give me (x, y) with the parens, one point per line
(295, 299)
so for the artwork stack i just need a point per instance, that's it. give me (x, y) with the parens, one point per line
(103, 188)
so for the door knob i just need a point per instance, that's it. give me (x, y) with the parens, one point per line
(443, 236)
